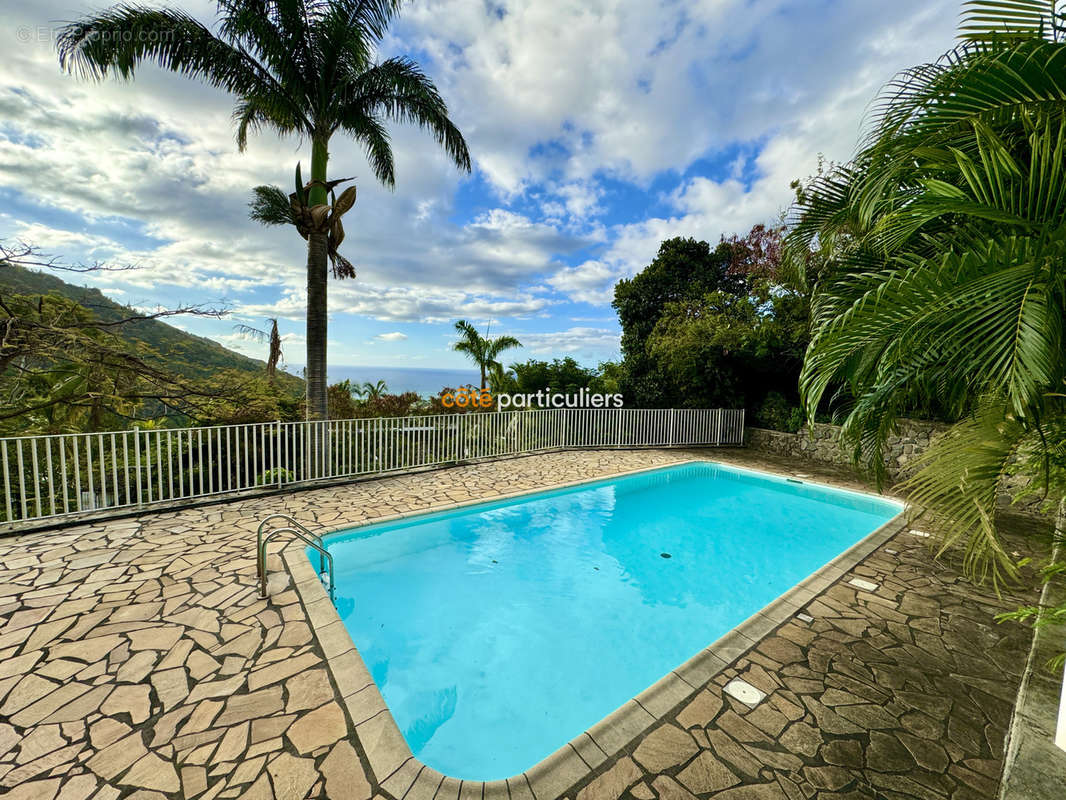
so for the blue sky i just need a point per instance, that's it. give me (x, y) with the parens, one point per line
(597, 129)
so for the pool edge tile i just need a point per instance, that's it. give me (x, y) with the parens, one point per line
(449, 789)
(518, 787)
(590, 752)
(550, 778)
(350, 673)
(665, 694)
(730, 647)
(364, 704)
(494, 790)
(620, 727)
(701, 667)
(426, 785)
(384, 745)
(400, 782)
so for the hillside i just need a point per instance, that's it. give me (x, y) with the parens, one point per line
(185, 353)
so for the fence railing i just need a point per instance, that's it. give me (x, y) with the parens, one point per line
(53, 476)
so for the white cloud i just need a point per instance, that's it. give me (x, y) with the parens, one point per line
(396, 336)
(708, 108)
(585, 344)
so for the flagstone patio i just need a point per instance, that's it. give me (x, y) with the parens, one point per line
(137, 660)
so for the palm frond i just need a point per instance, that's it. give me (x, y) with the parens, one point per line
(959, 480)
(996, 20)
(398, 90)
(940, 250)
(271, 206)
(375, 139)
(120, 38)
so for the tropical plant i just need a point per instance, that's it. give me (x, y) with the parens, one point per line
(374, 391)
(480, 349)
(303, 67)
(502, 380)
(941, 278)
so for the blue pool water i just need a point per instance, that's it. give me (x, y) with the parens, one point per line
(498, 632)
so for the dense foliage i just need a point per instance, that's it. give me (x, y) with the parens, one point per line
(72, 360)
(561, 375)
(187, 354)
(941, 279)
(351, 401)
(707, 327)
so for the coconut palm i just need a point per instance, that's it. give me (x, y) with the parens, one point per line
(941, 250)
(482, 350)
(374, 391)
(299, 67)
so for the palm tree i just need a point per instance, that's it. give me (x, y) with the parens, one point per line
(271, 338)
(374, 391)
(481, 350)
(942, 269)
(303, 67)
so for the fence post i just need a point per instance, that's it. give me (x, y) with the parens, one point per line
(277, 450)
(673, 426)
(137, 459)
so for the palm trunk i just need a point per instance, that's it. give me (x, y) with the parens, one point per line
(482, 377)
(317, 256)
(316, 326)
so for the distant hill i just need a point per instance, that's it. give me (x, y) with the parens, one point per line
(185, 353)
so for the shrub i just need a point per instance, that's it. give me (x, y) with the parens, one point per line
(777, 414)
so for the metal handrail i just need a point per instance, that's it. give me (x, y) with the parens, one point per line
(309, 542)
(292, 524)
(309, 537)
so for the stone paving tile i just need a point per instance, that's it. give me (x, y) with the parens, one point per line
(137, 660)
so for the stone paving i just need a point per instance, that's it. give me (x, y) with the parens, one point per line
(905, 692)
(137, 660)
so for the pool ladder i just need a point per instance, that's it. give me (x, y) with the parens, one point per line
(301, 532)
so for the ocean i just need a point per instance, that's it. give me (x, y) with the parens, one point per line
(421, 380)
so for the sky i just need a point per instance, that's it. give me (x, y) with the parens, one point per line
(597, 129)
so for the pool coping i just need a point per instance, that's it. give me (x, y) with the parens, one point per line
(398, 770)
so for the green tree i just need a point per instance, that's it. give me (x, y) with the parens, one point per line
(608, 378)
(71, 360)
(704, 327)
(481, 350)
(298, 67)
(562, 375)
(731, 350)
(940, 252)
(682, 269)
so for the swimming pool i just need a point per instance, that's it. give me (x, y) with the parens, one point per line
(497, 632)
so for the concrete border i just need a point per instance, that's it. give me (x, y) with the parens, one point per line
(400, 773)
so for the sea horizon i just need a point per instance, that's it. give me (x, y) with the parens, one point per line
(425, 381)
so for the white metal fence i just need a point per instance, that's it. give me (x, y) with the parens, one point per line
(52, 476)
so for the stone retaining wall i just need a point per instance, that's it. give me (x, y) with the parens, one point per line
(912, 438)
